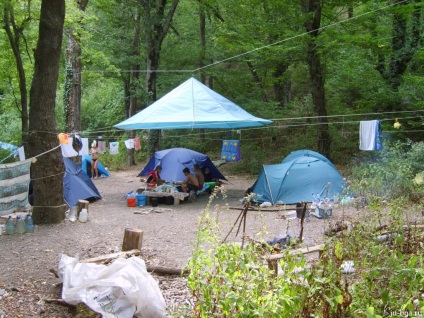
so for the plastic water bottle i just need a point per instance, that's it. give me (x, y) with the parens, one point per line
(10, 226)
(20, 225)
(83, 217)
(29, 225)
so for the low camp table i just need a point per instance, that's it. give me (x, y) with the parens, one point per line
(176, 195)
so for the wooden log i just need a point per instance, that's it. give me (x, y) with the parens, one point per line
(107, 257)
(272, 259)
(82, 204)
(133, 239)
(161, 270)
(305, 250)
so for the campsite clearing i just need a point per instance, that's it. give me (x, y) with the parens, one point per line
(167, 240)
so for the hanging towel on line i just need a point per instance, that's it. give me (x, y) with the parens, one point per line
(129, 143)
(114, 148)
(370, 135)
(137, 145)
(101, 146)
(68, 151)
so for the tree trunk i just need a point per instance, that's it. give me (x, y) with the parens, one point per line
(157, 23)
(73, 76)
(257, 80)
(134, 82)
(405, 42)
(312, 9)
(14, 34)
(47, 172)
(282, 86)
(73, 85)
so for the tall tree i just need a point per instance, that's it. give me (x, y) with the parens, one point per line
(15, 34)
(47, 172)
(157, 21)
(73, 91)
(134, 78)
(407, 34)
(312, 10)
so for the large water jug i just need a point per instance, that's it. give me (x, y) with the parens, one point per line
(83, 217)
(29, 224)
(10, 225)
(20, 225)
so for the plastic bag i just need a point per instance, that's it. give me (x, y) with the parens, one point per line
(123, 289)
(77, 143)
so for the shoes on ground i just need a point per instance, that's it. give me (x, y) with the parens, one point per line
(191, 196)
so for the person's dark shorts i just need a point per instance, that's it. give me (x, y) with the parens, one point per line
(192, 187)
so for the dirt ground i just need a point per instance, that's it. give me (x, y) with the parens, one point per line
(25, 280)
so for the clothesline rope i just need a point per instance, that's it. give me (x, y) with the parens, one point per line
(49, 176)
(87, 133)
(49, 206)
(107, 129)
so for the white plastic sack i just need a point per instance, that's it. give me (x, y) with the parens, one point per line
(122, 289)
(265, 204)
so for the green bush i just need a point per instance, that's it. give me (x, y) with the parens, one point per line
(387, 174)
(228, 280)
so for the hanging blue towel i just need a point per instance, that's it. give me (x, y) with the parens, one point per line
(230, 150)
(370, 135)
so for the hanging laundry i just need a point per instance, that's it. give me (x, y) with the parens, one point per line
(114, 148)
(370, 137)
(69, 151)
(230, 150)
(76, 143)
(129, 143)
(85, 147)
(101, 146)
(21, 153)
(14, 184)
(137, 145)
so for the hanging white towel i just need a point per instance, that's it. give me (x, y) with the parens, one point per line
(68, 150)
(129, 144)
(114, 148)
(85, 149)
(369, 137)
(21, 153)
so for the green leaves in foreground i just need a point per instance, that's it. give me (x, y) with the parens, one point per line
(227, 280)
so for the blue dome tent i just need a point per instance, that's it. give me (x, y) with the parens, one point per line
(77, 185)
(174, 160)
(298, 179)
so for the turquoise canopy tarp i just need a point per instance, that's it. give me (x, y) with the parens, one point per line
(192, 105)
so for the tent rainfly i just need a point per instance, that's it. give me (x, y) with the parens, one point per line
(304, 174)
(192, 105)
(174, 160)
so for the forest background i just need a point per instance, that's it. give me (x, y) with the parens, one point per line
(316, 68)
